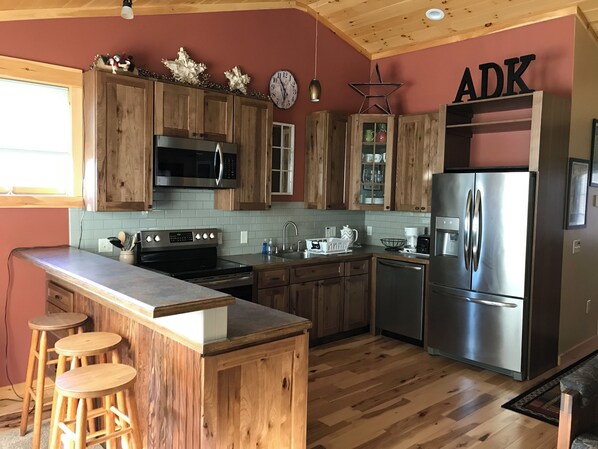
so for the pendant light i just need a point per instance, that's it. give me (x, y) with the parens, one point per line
(315, 90)
(127, 10)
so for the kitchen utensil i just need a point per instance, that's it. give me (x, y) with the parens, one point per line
(369, 135)
(127, 257)
(116, 242)
(377, 158)
(367, 157)
(122, 236)
(393, 244)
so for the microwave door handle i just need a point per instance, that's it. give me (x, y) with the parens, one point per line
(221, 170)
(466, 237)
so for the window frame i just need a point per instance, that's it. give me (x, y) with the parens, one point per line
(291, 169)
(72, 79)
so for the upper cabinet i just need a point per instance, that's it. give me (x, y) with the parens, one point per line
(417, 160)
(253, 134)
(118, 121)
(325, 155)
(512, 131)
(370, 180)
(182, 111)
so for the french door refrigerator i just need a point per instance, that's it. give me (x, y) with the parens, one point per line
(480, 258)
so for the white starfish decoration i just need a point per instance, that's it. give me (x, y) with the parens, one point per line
(184, 68)
(237, 80)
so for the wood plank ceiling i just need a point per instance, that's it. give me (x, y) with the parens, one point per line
(376, 28)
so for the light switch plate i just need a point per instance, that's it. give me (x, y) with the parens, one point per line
(576, 246)
(104, 246)
(330, 231)
(243, 236)
(369, 230)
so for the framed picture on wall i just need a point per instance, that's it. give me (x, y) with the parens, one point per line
(594, 154)
(577, 193)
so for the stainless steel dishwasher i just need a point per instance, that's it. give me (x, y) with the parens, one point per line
(400, 298)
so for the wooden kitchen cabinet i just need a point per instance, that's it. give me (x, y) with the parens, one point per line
(275, 298)
(325, 155)
(330, 307)
(183, 111)
(417, 159)
(118, 123)
(356, 306)
(253, 133)
(370, 173)
(304, 303)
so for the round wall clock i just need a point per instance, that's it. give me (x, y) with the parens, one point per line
(283, 89)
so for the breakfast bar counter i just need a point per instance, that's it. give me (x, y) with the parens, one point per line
(244, 388)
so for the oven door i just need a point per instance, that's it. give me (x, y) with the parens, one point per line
(239, 285)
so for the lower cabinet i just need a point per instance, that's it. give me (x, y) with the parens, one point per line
(334, 296)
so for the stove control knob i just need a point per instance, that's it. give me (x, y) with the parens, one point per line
(205, 235)
(212, 236)
(157, 238)
(148, 239)
(197, 236)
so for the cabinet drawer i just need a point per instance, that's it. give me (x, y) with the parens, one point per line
(357, 267)
(315, 272)
(275, 298)
(60, 297)
(273, 278)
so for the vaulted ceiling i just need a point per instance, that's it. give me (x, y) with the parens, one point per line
(375, 28)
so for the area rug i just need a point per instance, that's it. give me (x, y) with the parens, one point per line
(10, 439)
(543, 401)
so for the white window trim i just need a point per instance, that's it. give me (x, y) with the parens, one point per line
(291, 169)
(38, 72)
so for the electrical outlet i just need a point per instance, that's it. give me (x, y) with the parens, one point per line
(243, 236)
(369, 230)
(104, 246)
(576, 246)
(588, 305)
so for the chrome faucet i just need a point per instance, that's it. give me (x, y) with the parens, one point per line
(284, 233)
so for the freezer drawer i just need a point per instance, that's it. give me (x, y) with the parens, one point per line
(482, 328)
(400, 298)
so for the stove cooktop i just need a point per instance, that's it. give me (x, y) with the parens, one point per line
(191, 269)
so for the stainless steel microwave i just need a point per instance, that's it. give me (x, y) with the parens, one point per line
(182, 162)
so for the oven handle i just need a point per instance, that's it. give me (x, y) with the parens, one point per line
(224, 281)
(221, 170)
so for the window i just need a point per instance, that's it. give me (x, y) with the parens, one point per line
(40, 134)
(283, 153)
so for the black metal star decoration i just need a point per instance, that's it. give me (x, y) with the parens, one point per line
(375, 90)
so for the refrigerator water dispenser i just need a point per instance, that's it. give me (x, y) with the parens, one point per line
(447, 236)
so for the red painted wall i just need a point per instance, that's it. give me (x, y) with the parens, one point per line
(24, 228)
(432, 77)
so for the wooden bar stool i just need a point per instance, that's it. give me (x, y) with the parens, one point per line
(78, 348)
(100, 381)
(38, 353)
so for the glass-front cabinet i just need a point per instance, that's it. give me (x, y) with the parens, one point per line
(370, 176)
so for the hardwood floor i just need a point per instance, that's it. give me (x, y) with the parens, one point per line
(378, 393)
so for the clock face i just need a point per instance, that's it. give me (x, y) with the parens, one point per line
(283, 89)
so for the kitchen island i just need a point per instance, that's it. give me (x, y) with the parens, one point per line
(197, 386)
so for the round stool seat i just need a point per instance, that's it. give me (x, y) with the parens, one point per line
(57, 321)
(87, 344)
(95, 381)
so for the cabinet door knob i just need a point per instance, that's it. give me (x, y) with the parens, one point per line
(387, 207)
(423, 208)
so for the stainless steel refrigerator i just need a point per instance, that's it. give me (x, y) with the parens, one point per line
(480, 257)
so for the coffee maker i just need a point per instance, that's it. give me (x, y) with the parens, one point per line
(411, 236)
(423, 243)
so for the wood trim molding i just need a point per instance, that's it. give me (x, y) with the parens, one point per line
(13, 201)
(579, 351)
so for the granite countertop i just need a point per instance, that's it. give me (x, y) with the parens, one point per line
(148, 293)
(263, 262)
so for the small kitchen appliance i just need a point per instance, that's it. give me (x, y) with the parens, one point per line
(411, 236)
(423, 243)
(192, 255)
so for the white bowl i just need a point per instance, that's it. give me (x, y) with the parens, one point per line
(367, 157)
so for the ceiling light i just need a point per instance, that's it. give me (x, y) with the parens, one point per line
(315, 89)
(435, 14)
(127, 10)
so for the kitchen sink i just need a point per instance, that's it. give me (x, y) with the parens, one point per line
(297, 255)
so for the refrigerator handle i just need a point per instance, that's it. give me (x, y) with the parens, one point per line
(476, 234)
(467, 226)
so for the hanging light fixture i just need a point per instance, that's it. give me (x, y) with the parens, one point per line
(315, 90)
(127, 10)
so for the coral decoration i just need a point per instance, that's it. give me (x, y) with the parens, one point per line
(237, 80)
(184, 68)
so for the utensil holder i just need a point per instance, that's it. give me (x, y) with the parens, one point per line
(127, 257)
